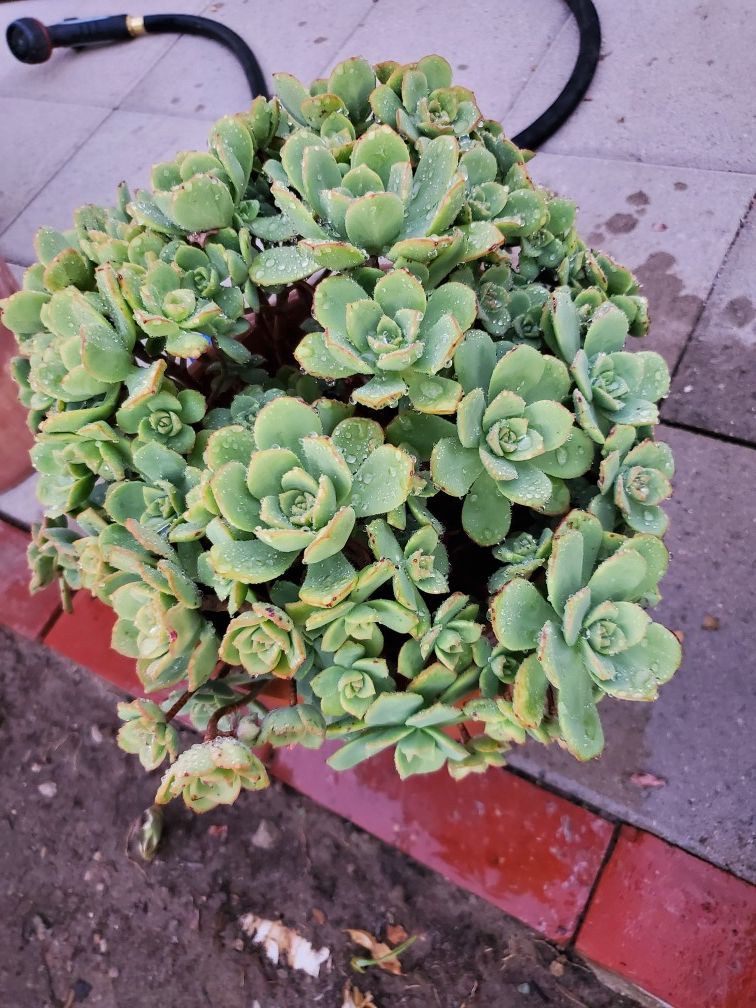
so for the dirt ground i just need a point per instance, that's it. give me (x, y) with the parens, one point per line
(82, 923)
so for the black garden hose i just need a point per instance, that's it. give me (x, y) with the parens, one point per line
(191, 24)
(574, 90)
(32, 42)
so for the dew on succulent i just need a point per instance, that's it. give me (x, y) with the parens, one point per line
(346, 401)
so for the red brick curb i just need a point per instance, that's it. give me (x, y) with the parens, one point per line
(677, 927)
(17, 439)
(529, 852)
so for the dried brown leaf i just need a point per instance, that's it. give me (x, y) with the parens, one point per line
(710, 622)
(396, 934)
(354, 998)
(381, 955)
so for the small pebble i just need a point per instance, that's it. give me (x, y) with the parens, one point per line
(95, 734)
(524, 988)
(48, 790)
(264, 837)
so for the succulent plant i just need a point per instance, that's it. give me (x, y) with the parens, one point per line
(634, 479)
(212, 773)
(612, 385)
(383, 205)
(345, 401)
(303, 491)
(418, 99)
(514, 441)
(399, 337)
(299, 725)
(338, 607)
(264, 641)
(420, 566)
(146, 734)
(591, 633)
(336, 108)
(350, 685)
(522, 555)
(402, 720)
(52, 555)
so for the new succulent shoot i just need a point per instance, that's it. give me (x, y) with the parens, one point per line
(345, 402)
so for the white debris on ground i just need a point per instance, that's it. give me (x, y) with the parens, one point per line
(282, 944)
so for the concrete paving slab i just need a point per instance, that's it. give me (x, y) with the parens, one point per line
(39, 138)
(100, 76)
(697, 738)
(494, 47)
(715, 386)
(198, 78)
(124, 147)
(653, 219)
(20, 503)
(673, 85)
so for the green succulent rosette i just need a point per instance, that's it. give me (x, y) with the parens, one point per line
(593, 636)
(613, 386)
(336, 108)
(382, 205)
(399, 337)
(146, 734)
(212, 773)
(303, 491)
(349, 686)
(264, 641)
(345, 400)
(419, 100)
(634, 480)
(341, 608)
(514, 441)
(301, 724)
(522, 555)
(412, 728)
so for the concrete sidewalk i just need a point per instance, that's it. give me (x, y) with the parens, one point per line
(661, 157)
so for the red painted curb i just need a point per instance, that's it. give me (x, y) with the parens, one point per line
(84, 636)
(676, 926)
(17, 438)
(26, 614)
(529, 852)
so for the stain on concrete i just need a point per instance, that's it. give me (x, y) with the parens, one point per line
(665, 291)
(621, 223)
(740, 311)
(596, 238)
(638, 199)
(681, 186)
